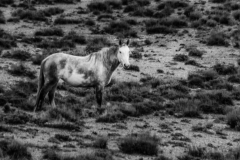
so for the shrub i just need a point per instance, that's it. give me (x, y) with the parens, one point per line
(114, 4)
(217, 39)
(100, 143)
(90, 22)
(120, 28)
(99, 6)
(236, 15)
(160, 29)
(22, 70)
(141, 12)
(131, 21)
(96, 44)
(133, 68)
(172, 3)
(192, 62)
(195, 15)
(7, 40)
(14, 150)
(56, 43)
(195, 52)
(234, 78)
(225, 69)
(18, 54)
(173, 22)
(180, 58)
(30, 15)
(141, 144)
(62, 21)
(135, 54)
(167, 11)
(6, 2)
(138, 2)
(211, 23)
(14, 19)
(49, 32)
(48, 12)
(75, 38)
(233, 118)
(111, 117)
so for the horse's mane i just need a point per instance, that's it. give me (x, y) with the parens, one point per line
(108, 55)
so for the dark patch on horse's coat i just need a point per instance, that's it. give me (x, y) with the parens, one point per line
(62, 63)
(53, 70)
(70, 70)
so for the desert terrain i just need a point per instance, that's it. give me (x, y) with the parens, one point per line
(179, 100)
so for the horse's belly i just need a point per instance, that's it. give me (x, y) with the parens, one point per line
(79, 80)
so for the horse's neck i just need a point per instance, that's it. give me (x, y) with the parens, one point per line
(110, 59)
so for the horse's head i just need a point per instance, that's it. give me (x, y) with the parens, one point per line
(123, 54)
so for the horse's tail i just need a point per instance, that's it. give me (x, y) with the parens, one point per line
(40, 84)
(41, 78)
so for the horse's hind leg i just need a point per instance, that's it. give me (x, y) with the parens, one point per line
(51, 95)
(43, 92)
(99, 90)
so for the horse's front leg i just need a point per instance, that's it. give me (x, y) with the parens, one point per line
(99, 92)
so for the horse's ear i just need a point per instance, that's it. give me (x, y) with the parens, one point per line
(128, 41)
(120, 42)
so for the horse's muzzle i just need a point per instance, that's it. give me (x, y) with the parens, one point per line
(126, 66)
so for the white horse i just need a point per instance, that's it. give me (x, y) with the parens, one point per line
(94, 70)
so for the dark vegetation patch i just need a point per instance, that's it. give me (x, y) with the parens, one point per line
(225, 69)
(18, 54)
(121, 29)
(141, 143)
(62, 20)
(14, 150)
(133, 68)
(192, 51)
(7, 40)
(56, 43)
(180, 58)
(51, 2)
(165, 25)
(98, 155)
(100, 7)
(90, 22)
(3, 3)
(173, 3)
(97, 43)
(2, 18)
(192, 62)
(233, 119)
(112, 117)
(138, 2)
(75, 38)
(48, 12)
(21, 69)
(136, 54)
(19, 93)
(217, 39)
(196, 152)
(53, 31)
(33, 15)
(100, 143)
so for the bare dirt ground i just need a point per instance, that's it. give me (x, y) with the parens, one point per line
(175, 134)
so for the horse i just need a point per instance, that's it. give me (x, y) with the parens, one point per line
(94, 70)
